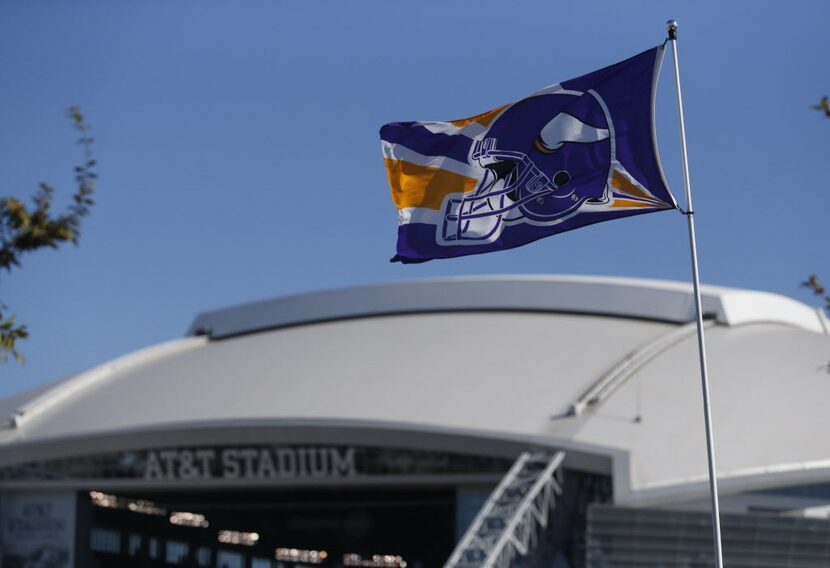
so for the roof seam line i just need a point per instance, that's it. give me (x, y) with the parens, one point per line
(822, 319)
(630, 364)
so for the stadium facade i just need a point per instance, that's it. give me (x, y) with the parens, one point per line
(533, 421)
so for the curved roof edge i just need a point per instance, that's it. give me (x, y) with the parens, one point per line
(62, 390)
(622, 297)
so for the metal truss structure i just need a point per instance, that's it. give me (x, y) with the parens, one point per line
(507, 525)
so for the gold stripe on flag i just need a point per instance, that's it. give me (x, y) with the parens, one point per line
(620, 181)
(423, 186)
(483, 119)
(632, 203)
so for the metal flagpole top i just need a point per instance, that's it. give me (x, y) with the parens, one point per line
(671, 27)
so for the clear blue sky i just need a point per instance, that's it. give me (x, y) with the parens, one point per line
(239, 153)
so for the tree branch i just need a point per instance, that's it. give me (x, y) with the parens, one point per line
(24, 229)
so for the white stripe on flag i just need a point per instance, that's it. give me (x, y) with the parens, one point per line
(399, 152)
(472, 130)
(408, 215)
(557, 89)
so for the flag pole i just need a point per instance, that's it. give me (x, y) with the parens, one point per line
(671, 26)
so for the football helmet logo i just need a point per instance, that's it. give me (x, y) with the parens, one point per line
(542, 159)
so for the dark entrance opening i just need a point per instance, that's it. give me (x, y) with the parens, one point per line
(412, 528)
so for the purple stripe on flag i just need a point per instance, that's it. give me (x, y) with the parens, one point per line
(418, 139)
(416, 241)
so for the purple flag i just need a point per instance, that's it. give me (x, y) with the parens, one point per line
(575, 153)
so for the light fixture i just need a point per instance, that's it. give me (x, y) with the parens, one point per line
(186, 519)
(300, 555)
(375, 561)
(142, 506)
(238, 537)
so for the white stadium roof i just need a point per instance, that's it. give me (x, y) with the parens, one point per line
(605, 368)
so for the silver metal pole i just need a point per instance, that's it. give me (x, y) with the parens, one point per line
(671, 26)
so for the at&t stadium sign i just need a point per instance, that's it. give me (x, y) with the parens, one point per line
(249, 463)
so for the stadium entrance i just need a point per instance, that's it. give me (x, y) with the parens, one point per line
(243, 506)
(269, 529)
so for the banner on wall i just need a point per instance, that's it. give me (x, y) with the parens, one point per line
(38, 530)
